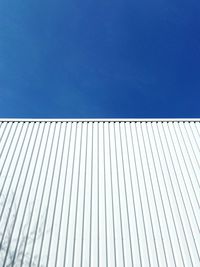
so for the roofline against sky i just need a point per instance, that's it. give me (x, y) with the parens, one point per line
(100, 120)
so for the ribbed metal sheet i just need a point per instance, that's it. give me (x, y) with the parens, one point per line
(100, 193)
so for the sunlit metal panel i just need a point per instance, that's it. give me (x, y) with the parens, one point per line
(100, 193)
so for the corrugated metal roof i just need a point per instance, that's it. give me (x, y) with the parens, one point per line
(100, 193)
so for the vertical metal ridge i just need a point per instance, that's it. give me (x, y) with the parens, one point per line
(185, 164)
(105, 207)
(5, 202)
(15, 147)
(19, 233)
(21, 194)
(13, 197)
(29, 223)
(125, 186)
(12, 201)
(77, 191)
(186, 240)
(100, 193)
(35, 195)
(113, 213)
(167, 192)
(2, 135)
(189, 156)
(91, 187)
(83, 215)
(58, 183)
(119, 197)
(140, 198)
(160, 193)
(62, 206)
(182, 172)
(52, 177)
(189, 221)
(133, 198)
(191, 130)
(71, 182)
(38, 218)
(152, 187)
(168, 170)
(191, 145)
(197, 128)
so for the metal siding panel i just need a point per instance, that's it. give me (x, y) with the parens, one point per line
(100, 192)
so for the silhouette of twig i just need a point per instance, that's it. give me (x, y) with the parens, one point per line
(8, 254)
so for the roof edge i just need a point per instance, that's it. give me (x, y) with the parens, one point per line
(100, 120)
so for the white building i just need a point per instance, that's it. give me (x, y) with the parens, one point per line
(100, 193)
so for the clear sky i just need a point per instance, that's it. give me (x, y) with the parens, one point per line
(99, 58)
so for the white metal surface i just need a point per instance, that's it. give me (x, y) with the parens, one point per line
(100, 193)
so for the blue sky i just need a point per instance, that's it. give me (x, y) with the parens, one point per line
(108, 58)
